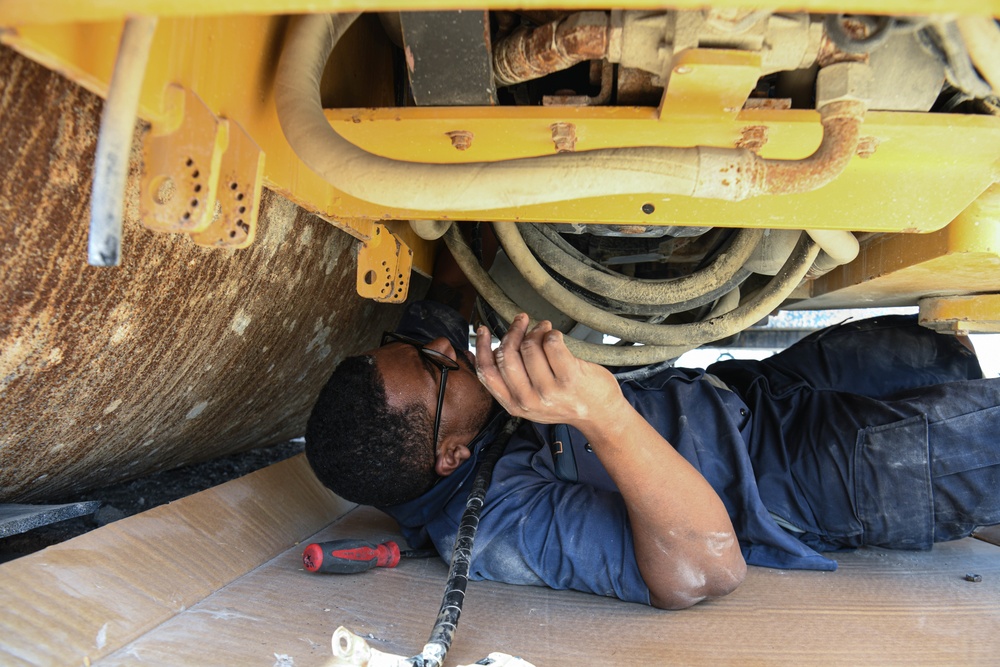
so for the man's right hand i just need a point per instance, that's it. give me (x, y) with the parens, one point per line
(532, 374)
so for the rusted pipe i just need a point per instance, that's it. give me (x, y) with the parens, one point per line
(736, 175)
(531, 53)
(841, 129)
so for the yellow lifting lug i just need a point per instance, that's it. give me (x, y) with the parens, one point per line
(241, 177)
(384, 263)
(961, 315)
(180, 170)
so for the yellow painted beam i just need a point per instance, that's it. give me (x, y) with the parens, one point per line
(900, 269)
(230, 63)
(20, 12)
(915, 153)
(979, 313)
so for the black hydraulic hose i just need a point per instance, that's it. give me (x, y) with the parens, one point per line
(719, 277)
(659, 313)
(606, 355)
(643, 372)
(612, 305)
(443, 632)
(742, 316)
(557, 240)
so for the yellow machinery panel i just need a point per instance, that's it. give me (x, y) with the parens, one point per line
(224, 55)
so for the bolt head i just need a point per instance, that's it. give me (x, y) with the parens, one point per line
(460, 139)
(843, 82)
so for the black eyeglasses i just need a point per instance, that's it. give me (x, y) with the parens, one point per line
(442, 361)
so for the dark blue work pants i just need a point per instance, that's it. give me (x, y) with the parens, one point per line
(878, 432)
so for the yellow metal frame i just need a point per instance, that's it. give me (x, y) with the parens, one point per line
(915, 153)
(229, 63)
(216, 51)
(384, 264)
(929, 269)
(180, 169)
(978, 313)
(18, 12)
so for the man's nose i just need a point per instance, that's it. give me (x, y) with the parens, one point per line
(444, 346)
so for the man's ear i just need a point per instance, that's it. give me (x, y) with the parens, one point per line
(450, 456)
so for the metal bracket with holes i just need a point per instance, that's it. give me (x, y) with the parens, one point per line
(238, 196)
(384, 263)
(202, 175)
(180, 171)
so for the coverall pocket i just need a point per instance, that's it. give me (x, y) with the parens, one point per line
(892, 485)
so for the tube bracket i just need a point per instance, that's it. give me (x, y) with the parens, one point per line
(384, 263)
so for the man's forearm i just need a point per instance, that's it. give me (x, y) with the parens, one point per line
(685, 545)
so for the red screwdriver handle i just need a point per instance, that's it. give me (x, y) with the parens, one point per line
(349, 556)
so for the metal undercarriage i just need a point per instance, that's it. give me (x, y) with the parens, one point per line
(108, 373)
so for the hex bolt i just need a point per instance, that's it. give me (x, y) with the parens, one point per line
(460, 139)
(867, 147)
(752, 138)
(975, 578)
(564, 137)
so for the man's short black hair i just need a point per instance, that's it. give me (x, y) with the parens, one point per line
(363, 450)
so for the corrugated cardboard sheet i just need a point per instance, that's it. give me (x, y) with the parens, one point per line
(216, 579)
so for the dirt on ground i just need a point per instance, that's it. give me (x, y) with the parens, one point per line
(128, 498)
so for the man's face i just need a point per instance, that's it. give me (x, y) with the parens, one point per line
(409, 378)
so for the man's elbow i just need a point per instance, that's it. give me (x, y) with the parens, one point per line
(709, 584)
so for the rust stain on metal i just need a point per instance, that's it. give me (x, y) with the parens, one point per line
(629, 229)
(531, 53)
(830, 53)
(461, 139)
(841, 128)
(752, 138)
(768, 103)
(410, 61)
(564, 137)
(867, 146)
(179, 355)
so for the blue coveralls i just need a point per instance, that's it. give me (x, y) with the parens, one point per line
(824, 446)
